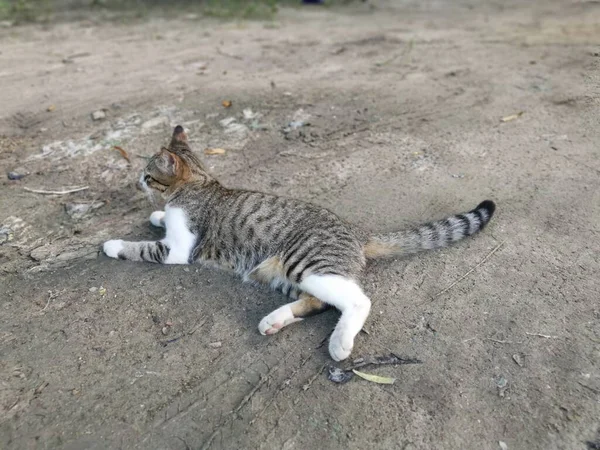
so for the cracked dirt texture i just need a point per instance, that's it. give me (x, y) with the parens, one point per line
(402, 107)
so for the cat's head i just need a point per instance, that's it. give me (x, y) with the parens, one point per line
(173, 166)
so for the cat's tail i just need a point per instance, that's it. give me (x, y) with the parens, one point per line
(430, 235)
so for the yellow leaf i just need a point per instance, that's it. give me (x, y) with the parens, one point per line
(512, 117)
(214, 151)
(374, 378)
(226, 103)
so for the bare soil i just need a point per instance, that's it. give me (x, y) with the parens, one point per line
(400, 108)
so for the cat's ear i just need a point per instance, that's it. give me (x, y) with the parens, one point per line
(171, 161)
(179, 135)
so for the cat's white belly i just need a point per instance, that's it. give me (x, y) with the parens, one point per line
(179, 238)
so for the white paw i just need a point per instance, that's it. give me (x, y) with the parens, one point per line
(112, 248)
(157, 219)
(275, 321)
(340, 346)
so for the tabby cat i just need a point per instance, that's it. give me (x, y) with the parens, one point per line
(304, 250)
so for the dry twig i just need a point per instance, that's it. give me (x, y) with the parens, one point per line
(541, 335)
(494, 250)
(63, 192)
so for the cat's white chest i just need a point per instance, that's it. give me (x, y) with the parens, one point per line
(179, 238)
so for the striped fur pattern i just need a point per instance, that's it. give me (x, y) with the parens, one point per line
(304, 250)
(431, 235)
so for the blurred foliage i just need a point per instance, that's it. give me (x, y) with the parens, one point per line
(20, 11)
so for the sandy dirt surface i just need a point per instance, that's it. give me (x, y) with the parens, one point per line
(400, 108)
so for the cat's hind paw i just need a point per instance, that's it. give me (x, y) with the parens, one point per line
(157, 218)
(112, 248)
(340, 346)
(278, 319)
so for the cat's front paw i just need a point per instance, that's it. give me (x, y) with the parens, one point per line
(157, 218)
(112, 248)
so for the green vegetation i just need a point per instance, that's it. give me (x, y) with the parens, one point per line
(22, 11)
(19, 11)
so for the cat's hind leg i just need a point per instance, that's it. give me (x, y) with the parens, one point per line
(347, 296)
(305, 306)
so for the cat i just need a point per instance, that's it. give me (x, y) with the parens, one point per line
(302, 249)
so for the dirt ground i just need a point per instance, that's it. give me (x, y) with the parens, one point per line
(389, 115)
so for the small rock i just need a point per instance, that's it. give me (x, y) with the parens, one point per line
(6, 235)
(518, 358)
(299, 119)
(503, 445)
(15, 175)
(169, 323)
(165, 330)
(249, 114)
(502, 385)
(215, 344)
(93, 289)
(98, 115)
(79, 210)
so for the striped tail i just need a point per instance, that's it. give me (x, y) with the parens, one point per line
(431, 235)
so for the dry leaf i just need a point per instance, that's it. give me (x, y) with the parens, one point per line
(51, 108)
(214, 151)
(122, 152)
(512, 117)
(226, 103)
(374, 378)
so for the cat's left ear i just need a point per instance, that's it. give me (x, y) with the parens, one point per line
(171, 162)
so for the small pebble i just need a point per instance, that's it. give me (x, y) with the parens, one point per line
(15, 175)
(502, 385)
(503, 445)
(165, 330)
(98, 115)
(518, 358)
(93, 289)
(215, 344)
